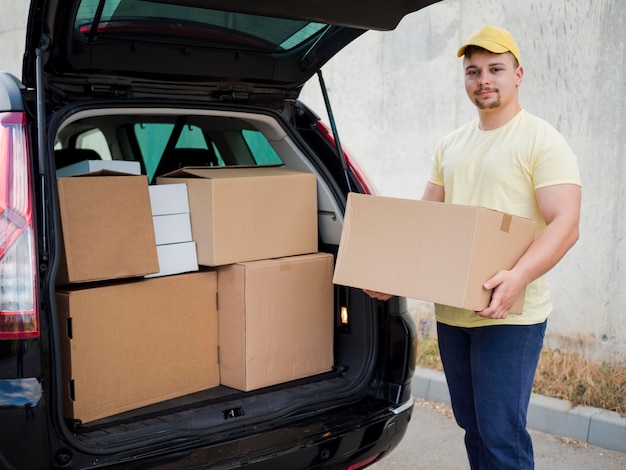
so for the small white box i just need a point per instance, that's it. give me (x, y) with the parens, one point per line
(90, 166)
(176, 258)
(169, 199)
(172, 228)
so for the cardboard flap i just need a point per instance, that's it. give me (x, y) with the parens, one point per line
(185, 172)
(101, 173)
(224, 171)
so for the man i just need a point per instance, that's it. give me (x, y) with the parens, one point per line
(512, 161)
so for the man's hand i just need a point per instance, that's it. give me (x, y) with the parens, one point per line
(377, 295)
(560, 207)
(506, 287)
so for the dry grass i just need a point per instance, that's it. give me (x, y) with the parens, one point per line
(564, 373)
(574, 377)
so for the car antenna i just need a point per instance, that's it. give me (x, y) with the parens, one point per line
(333, 126)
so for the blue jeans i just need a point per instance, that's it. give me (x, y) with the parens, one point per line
(490, 372)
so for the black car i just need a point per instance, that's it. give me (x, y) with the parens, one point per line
(171, 84)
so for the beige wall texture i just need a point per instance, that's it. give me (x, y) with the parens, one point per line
(13, 18)
(394, 94)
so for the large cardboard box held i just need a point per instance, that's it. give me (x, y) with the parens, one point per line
(247, 214)
(107, 228)
(431, 251)
(134, 344)
(275, 320)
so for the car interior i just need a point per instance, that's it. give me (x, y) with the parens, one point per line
(162, 142)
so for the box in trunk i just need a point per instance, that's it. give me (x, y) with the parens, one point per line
(275, 320)
(137, 343)
(107, 228)
(247, 214)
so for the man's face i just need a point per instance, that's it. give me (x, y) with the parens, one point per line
(491, 80)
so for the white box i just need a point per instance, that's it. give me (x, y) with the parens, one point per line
(90, 166)
(169, 199)
(172, 228)
(176, 258)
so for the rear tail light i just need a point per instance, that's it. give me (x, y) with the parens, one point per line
(367, 187)
(365, 462)
(18, 277)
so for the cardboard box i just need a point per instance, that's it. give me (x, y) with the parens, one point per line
(275, 320)
(176, 258)
(169, 199)
(134, 344)
(431, 251)
(246, 214)
(90, 166)
(172, 228)
(107, 228)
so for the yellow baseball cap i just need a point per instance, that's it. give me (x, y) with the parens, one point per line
(492, 38)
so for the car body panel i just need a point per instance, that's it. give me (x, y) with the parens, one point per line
(197, 40)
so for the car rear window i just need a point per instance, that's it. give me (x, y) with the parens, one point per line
(165, 21)
(165, 143)
(153, 138)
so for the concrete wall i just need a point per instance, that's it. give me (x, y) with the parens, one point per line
(13, 17)
(396, 93)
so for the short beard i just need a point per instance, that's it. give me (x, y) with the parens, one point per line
(495, 104)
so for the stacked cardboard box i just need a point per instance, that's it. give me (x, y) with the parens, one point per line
(172, 229)
(257, 227)
(247, 214)
(107, 228)
(131, 344)
(275, 320)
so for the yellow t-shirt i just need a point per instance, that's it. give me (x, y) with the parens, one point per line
(500, 169)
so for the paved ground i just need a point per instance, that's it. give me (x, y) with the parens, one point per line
(434, 442)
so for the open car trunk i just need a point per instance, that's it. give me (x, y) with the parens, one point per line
(239, 348)
(146, 134)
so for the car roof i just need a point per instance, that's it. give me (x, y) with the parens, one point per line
(273, 43)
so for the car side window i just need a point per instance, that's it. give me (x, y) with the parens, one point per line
(92, 139)
(260, 148)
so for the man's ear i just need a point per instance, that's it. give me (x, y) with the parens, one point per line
(520, 75)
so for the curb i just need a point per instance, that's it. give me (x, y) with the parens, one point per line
(595, 426)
